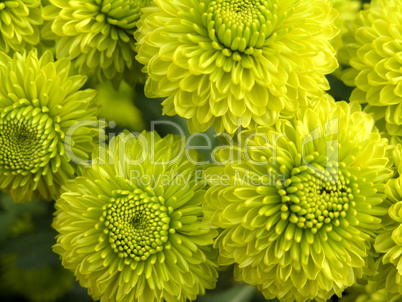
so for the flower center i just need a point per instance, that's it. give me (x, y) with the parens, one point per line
(26, 139)
(239, 24)
(315, 196)
(137, 224)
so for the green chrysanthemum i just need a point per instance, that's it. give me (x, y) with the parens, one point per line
(118, 106)
(298, 203)
(131, 227)
(45, 120)
(368, 293)
(347, 10)
(389, 242)
(44, 284)
(19, 24)
(232, 63)
(373, 48)
(98, 35)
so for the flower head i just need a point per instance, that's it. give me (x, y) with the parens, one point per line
(19, 24)
(389, 241)
(372, 48)
(232, 63)
(298, 203)
(368, 293)
(118, 106)
(39, 104)
(97, 35)
(347, 12)
(131, 227)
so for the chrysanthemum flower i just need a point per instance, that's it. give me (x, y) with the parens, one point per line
(232, 63)
(131, 227)
(19, 24)
(347, 10)
(389, 242)
(373, 50)
(118, 106)
(97, 35)
(368, 293)
(298, 204)
(39, 103)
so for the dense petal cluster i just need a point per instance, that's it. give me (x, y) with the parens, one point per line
(98, 35)
(372, 48)
(131, 228)
(232, 63)
(19, 24)
(46, 122)
(298, 203)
